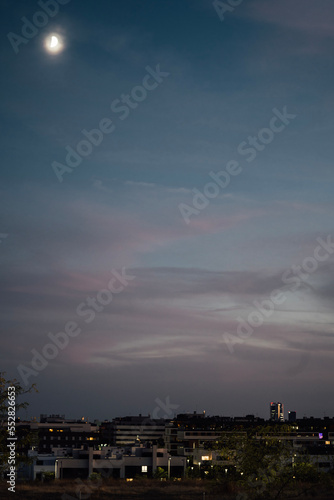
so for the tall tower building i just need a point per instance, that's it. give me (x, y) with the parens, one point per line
(292, 416)
(276, 412)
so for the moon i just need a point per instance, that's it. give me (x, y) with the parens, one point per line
(54, 43)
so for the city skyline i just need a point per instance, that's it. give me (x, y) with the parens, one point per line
(166, 410)
(167, 207)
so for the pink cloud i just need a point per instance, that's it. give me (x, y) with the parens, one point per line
(304, 15)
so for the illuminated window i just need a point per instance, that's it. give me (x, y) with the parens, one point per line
(144, 468)
(205, 457)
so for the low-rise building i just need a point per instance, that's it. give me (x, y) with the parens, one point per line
(116, 462)
(56, 431)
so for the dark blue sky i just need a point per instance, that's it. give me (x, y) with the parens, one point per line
(254, 90)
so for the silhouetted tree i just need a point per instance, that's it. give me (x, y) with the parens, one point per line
(4, 414)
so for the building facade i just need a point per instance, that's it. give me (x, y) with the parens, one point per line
(134, 429)
(276, 412)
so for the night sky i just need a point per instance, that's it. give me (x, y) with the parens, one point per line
(167, 202)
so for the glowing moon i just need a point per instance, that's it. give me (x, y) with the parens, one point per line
(54, 43)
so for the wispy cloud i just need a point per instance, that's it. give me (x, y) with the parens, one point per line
(304, 15)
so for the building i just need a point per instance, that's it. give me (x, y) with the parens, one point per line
(130, 430)
(292, 417)
(276, 412)
(56, 431)
(38, 465)
(188, 432)
(124, 463)
(76, 448)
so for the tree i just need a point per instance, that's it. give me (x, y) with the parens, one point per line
(160, 473)
(7, 409)
(255, 458)
(264, 464)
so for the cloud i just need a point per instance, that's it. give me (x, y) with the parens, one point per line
(303, 15)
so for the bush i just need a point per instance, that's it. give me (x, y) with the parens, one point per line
(48, 476)
(160, 473)
(95, 476)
